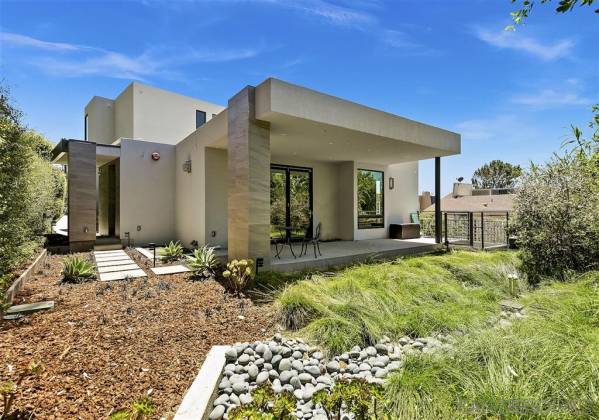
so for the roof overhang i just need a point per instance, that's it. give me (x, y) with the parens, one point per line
(312, 125)
(104, 152)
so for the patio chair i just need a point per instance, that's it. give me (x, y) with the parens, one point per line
(311, 240)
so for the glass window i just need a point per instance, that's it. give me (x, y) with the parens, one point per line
(200, 118)
(371, 202)
(86, 127)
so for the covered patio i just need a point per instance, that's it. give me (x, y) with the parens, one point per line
(342, 253)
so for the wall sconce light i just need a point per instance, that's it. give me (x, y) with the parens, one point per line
(391, 182)
(187, 166)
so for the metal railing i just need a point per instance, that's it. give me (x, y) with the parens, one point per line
(483, 230)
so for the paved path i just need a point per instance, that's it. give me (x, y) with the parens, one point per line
(116, 265)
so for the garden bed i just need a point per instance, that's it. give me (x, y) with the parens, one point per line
(106, 344)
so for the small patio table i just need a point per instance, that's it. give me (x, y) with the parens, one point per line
(286, 240)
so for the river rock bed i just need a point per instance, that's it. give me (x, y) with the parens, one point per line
(295, 366)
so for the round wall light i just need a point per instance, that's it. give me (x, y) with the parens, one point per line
(155, 156)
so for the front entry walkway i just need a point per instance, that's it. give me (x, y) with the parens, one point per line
(116, 265)
(341, 253)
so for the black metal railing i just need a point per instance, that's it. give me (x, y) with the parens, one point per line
(474, 229)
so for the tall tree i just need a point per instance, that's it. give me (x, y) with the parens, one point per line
(496, 174)
(526, 6)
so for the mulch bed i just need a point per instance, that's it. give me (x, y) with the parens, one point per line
(106, 344)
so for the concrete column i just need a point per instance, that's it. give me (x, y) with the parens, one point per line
(248, 180)
(82, 195)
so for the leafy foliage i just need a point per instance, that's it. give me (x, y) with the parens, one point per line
(496, 174)
(556, 210)
(203, 262)
(239, 273)
(172, 252)
(355, 396)
(31, 190)
(563, 6)
(8, 390)
(141, 409)
(266, 405)
(76, 270)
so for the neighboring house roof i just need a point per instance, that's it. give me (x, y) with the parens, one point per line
(468, 203)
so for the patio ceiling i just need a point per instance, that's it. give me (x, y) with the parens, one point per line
(104, 152)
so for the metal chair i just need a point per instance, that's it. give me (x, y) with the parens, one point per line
(311, 240)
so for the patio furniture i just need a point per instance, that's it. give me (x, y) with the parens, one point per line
(311, 240)
(404, 231)
(285, 239)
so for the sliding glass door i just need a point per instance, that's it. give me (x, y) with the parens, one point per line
(290, 201)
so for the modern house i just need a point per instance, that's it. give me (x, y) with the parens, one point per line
(279, 160)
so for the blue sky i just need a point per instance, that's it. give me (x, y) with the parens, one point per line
(512, 95)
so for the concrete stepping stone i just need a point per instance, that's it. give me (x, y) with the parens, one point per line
(119, 251)
(29, 308)
(510, 305)
(147, 253)
(169, 269)
(111, 263)
(115, 258)
(111, 268)
(13, 317)
(121, 275)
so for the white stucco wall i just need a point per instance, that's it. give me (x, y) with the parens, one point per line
(216, 197)
(166, 117)
(147, 192)
(100, 120)
(123, 114)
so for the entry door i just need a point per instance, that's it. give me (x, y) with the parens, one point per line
(290, 201)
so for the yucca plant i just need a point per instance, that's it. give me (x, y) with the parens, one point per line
(239, 273)
(203, 262)
(76, 270)
(172, 252)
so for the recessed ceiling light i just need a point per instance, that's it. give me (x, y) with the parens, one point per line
(330, 142)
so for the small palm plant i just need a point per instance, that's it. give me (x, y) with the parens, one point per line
(172, 252)
(203, 262)
(76, 270)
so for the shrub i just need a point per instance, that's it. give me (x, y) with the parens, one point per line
(266, 405)
(8, 391)
(203, 262)
(239, 273)
(556, 210)
(76, 270)
(172, 252)
(142, 408)
(31, 190)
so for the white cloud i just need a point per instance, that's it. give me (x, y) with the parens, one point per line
(548, 98)
(501, 128)
(516, 41)
(18, 40)
(81, 60)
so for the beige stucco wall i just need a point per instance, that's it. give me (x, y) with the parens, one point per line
(100, 120)
(123, 114)
(165, 117)
(346, 199)
(147, 192)
(216, 200)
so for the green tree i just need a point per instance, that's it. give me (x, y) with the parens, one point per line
(31, 190)
(496, 174)
(526, 6)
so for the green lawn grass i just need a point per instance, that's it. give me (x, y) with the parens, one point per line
(545, 365)
(413, 296)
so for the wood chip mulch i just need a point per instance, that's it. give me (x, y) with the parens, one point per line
(106, 344)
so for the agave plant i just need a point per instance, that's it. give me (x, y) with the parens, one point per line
(172, 252)
(203, 262)
(76, 270)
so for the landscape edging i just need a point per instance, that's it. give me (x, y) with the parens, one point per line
(18, 284)
(197, 401)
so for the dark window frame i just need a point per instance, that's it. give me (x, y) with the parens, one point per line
(203, 113)
(381, 216)
(86, 127)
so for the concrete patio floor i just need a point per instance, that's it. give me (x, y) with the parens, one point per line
(340, 253)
